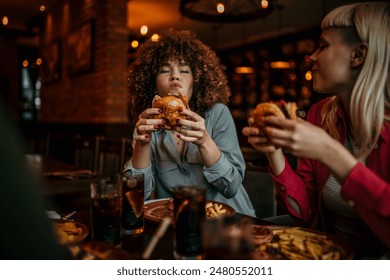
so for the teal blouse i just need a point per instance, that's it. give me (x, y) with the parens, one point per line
(223, 180)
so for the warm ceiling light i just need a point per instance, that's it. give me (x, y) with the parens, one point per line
(25, 63)
(264, 4)
(281, 65)
(144, 30)
(38, 61)
(244, 70)
(220, 8)
(4, 20)
(225, 10)
(42, 8)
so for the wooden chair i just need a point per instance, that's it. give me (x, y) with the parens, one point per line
(112, 155)
(86, 152)
(126, 151)
(261, 191)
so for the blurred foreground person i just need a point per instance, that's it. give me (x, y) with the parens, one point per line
(26, 232)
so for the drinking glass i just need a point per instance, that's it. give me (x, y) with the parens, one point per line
(189, 218)
(133, 202)
(228, 239)
(106, 211)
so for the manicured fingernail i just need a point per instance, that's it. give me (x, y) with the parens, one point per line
(178, 135)
(155, 126)
(147, 135)
(180, 110)
(160, 111)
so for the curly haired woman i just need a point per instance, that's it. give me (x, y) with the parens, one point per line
(202, 150)
(342, 184)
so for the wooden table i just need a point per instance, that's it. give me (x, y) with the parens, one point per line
(65, 192)
(135, 245)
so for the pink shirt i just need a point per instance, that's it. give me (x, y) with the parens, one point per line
(367, 188)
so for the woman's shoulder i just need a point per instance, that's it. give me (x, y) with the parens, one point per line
(314, 112)
(320, 103)
(219, 113)
(218, 108)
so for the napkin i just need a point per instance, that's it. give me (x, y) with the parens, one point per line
(53, 215)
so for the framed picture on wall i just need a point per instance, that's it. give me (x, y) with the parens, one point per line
(51, 63)
(81, 49)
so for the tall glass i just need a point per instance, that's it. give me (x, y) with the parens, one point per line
(189, 219)
(133, 202)
(106, 211)
(227, 238)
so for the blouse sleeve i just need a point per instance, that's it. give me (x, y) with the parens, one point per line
(301, 184)
(369, 195)
(226, 174)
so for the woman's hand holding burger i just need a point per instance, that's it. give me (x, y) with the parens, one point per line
(146, 124)
(265, 119)
(171, 112)
(192, 128)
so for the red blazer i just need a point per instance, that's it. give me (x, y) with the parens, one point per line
(367, 187)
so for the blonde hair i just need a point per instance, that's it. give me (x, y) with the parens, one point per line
(370, 99)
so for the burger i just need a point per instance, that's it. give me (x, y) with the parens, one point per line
(169, 106)
(279, 109)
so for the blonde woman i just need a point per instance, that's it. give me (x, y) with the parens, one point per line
(342, 184)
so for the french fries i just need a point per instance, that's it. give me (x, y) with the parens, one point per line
(298, 244)
(214, 210)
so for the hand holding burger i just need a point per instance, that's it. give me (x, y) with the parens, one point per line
(281, 109)
(169, 106)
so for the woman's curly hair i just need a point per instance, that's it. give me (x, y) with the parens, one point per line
(210, 81)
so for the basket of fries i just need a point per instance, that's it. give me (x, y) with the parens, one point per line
(216, 209)
(295, 243)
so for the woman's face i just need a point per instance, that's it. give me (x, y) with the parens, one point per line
(175, 76)
(332, 72)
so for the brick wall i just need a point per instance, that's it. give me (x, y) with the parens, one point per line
(98, 94)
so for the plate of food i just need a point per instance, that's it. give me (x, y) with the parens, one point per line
(157, 210)
(296, 243)
(70, 232)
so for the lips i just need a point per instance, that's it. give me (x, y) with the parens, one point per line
(175, 85)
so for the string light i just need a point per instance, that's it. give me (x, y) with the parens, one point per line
(220, 8)
(42, 8)
(4, 20)
(144, 30)
(308, 76)
(264, 4)
(134, 44)
(155, 37)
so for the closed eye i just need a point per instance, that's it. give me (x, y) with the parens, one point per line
(164, 69)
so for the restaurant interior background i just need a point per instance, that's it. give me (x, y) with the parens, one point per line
(63, 69)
